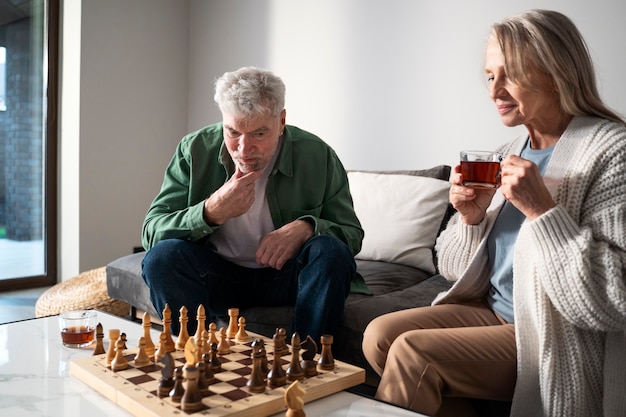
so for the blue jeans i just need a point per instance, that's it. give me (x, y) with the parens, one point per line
(316, 282)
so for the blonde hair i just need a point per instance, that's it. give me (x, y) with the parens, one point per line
(549, 42)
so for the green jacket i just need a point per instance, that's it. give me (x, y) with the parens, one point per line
(308, 181)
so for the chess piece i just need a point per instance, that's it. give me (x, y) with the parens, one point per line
(276, 377)
(123, 337)
(177, 392)
(141, 358)
(191, 400)
(203, 383)
(256, 383)
(170, 346)
(183, 334)
(223, 348)
(119, 362)
(114, 334)
(166, 382)
(233, 328)
(204, 346)
(214, 362)
(326, 362)
(294, 399)
(212, 332)
(280, 344)
(99, 350)
(208, 375)
(201, 319)
(308, 357)
(242, 336)
(147, 325)
(191, 353)
(161, 350)
(295, 371)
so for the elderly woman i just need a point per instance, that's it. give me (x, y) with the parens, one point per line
(537, 312)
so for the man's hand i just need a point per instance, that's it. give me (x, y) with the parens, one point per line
(232, 199)
(279, 246)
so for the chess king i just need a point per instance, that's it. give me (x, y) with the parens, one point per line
(253, 211)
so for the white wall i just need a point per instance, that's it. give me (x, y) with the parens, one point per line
(390, 84)
(129, 62)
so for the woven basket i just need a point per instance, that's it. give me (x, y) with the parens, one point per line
(85, 291)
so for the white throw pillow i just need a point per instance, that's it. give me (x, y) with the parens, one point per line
(400, 214)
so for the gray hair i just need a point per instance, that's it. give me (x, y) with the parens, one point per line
(549, 42)
(250, 91)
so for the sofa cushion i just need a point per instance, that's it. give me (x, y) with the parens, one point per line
(401, 216)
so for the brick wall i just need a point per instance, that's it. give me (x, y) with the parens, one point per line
(21, 133)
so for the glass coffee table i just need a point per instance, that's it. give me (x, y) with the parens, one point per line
(35, 377)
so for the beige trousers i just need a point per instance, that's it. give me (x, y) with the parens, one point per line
(429, 357)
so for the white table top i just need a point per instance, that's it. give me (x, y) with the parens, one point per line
(35, 378)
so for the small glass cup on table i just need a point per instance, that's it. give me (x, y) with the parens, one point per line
(77, 328)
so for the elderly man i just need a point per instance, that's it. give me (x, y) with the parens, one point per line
(253, 212)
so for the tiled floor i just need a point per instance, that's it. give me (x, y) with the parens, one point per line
(19, 305)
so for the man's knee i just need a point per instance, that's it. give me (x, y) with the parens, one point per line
(161, 257)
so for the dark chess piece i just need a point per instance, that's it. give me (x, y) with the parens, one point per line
(308, 357)
(191, 400)
(177, 392)
(256, 381)
(326, 362)
(276, 377)
(295, 371)
(99, 340)
(166, 383)
(203, 384)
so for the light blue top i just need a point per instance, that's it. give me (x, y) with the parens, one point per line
(501, 242)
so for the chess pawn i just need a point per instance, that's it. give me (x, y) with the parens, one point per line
(223, 348)
(295, 371)
(147, 325)
(123, 337)
(326, 362)
(99, 341)
(114, 334)
(208, 375)
(214, 362)
(161, 350)
(242, 336)
(183, 335)
(203, 383)
(280, 346)
(176, 394)
(212, 333)
(142, 359)
(119, 363)
(191, 400)
(233, 328)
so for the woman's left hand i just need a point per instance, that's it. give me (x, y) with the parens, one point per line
(523, 186)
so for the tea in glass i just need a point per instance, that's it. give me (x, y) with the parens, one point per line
(77, 328)
(480, 169)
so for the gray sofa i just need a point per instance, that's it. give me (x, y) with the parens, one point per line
(410, 207)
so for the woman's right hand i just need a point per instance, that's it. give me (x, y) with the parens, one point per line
(470, 203)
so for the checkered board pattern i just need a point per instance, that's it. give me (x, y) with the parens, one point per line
(135, 388)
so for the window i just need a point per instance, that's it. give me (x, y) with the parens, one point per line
(28, 97)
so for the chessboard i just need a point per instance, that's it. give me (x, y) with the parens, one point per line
(135, 388)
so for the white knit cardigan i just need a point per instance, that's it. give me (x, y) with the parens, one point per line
(569, 277)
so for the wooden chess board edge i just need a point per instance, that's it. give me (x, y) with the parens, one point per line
(140, 403)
